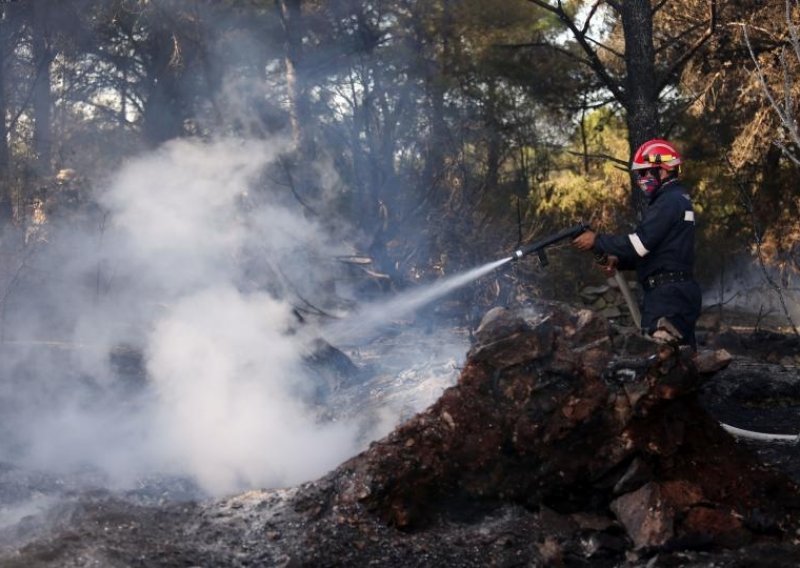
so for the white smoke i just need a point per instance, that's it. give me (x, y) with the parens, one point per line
(227, 400)
(230, 386)
(767, 296)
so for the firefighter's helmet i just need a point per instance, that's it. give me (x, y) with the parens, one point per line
(656, 153)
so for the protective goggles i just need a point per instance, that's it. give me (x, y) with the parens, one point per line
(646, 173)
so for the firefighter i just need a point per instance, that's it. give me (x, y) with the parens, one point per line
(661, 248)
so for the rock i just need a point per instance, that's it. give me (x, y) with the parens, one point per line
(611, 312)
(664, 514)
(712, 361)
(705, 525)
(331, 367)
(636, 475)
(594, 290)
(709, 320)
(647, 517)
(517, 341)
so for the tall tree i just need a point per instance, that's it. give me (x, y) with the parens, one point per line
(648, 67)
(291, 12)
(5, 189)
(43, 55)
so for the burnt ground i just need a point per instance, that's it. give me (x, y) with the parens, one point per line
(759, 391)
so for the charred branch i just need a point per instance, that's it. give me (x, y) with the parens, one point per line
(584, 42)
(590, 15)
(287, 169)
(784, 111)
(603, 157)
(677, 66)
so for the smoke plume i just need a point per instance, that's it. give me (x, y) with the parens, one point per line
(190, 262)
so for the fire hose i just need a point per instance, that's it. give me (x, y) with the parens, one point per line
(760, 436)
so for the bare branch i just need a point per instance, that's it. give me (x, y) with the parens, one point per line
(793, 35)
(590, 15)
(599, 104)
(788, 102)
(605, 47)
(787, 121)
(594, 61)
(681, 61)
(287, 168)
(786, 152)
(669, 42)
(605, 157)
(747, 202)
(777, 39)
(658, 6)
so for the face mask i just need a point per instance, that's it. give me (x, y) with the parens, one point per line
(648, 181)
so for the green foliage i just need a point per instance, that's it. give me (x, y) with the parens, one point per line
(589, 185)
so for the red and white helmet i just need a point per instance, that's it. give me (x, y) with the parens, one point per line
(656, 153)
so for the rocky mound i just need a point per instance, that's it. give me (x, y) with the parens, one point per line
(540, 418)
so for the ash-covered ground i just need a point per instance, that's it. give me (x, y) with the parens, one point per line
(397, 374)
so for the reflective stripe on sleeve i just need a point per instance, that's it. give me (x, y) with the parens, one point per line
(640, 249)
(689, 216)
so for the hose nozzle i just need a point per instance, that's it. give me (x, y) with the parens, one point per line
(539, 246)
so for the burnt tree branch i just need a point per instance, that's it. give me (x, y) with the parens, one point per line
(677, 66)
(584, 42)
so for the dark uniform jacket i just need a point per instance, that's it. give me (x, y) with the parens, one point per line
(661, 249)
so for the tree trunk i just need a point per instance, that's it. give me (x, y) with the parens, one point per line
(42, 98)
(164, 106)
(299, 104)
(494, 142)
(641, 90)
(435, 87)
(291, 12)
(5, 190)
(434, 160)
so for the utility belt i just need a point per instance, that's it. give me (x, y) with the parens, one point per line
(662, 278)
